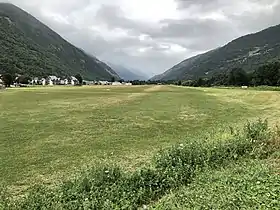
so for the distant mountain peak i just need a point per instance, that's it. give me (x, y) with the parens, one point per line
(128, 73)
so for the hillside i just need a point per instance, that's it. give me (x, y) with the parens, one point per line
(247, 52)
(30, 47)
(128, 73)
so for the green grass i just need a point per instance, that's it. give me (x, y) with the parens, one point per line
(48, 134)
(246, 184)
(111, 187)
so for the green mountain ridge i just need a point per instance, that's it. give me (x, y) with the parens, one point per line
(247, 52)
(29, 47)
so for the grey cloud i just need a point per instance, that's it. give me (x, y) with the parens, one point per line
(214, 5)
(205, 5)
(198, 31)
(113, 17)
(195, 31)
(195, 28)
(196, 35)
(251, 22)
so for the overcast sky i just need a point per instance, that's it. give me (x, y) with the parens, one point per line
(152, 35)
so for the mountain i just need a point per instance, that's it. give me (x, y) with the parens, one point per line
(128, 73)
(29, 47)
(247, 52)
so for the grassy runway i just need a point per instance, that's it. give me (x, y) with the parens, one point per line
(48, 133)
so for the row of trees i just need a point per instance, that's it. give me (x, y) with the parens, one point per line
(268, 74)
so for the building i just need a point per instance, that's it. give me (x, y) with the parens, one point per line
(1, 83)
(44, 81)
(74, 81)
(35, 81)
(62, 82)
(85, 82)
(128, 83)
(66, 82)
(104, 83)
(116, 83)
(53, 80)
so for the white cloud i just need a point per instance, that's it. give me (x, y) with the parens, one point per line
(150, 10)
(177, 48)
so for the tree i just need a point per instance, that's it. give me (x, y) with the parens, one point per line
(113, 79)
(268, 74)
(199, 82)
(238, 77)
(79, 78)
(24, 80)
(7, 79)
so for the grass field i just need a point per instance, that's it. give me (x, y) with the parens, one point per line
(49, 134)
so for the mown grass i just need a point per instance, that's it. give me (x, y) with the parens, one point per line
(113, 188)
(48, 134)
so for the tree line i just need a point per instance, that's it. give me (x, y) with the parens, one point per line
(268, 75)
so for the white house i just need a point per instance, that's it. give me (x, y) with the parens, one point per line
(53, 80)
(89, 82)
(62, 82)
(103, 82)
(116, 83)
(1, 83)
(35, 81)
(128, 83)
(51, 83)
(44, 81)
(74, 81)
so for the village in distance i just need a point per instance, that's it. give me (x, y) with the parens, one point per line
(20, 81)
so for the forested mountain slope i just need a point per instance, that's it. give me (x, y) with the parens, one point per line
(29, 47)
(247, 52)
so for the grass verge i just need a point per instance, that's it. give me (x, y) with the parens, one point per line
(245, 184)
(111, 187)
